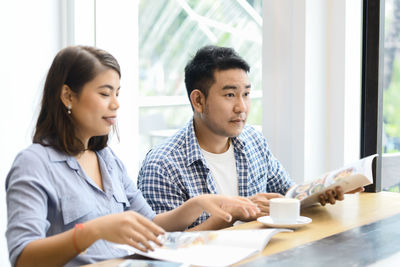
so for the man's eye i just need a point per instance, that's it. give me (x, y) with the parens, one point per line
(247, 94)
(230, 95)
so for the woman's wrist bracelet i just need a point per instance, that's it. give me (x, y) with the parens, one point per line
(80, 227)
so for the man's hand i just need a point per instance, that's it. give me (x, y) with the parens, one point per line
(330, 196)
(227, 207)
(357, 190)
(262, 201)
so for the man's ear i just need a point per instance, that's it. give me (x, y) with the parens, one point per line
(198, 100)
(66, 95)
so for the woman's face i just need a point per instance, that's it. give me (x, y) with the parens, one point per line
(95, 110)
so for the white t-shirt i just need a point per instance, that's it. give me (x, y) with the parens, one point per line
(223, 170)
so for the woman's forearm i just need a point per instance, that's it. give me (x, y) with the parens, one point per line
(57, 250)
(179, 218)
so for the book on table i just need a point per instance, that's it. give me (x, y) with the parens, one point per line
(209, 248)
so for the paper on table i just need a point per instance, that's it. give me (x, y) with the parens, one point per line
(210, 248)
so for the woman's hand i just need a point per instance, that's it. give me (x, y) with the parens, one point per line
(226, 207)
(128, 228)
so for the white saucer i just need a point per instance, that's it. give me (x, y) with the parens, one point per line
(267, 220)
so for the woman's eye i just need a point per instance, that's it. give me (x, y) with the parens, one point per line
(104, 94)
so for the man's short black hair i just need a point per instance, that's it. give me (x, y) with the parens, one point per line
(199, 71)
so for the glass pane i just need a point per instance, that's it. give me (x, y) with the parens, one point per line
(391, 98)
(170, 32)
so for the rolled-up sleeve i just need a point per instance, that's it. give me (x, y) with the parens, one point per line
(27, 195)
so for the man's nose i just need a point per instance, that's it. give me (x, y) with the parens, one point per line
(240, 105)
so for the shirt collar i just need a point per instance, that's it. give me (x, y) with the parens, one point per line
(193, 151)
(57, 156)
(239, 141)
(108, 158)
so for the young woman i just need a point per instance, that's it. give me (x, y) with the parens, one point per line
(68, 195)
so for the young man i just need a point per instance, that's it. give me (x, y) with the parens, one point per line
(216, 152)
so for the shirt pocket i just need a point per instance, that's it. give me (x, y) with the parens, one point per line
(121, 199)
(75, 209)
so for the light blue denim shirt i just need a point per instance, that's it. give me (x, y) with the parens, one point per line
(48, 193)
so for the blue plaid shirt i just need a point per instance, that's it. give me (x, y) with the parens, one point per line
(176, 170)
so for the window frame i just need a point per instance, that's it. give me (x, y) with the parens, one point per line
(372, 85)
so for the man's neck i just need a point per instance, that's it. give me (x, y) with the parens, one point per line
(208, 140)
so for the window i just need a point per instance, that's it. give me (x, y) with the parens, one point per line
(170, 32)
(391, 92)
(381, 91)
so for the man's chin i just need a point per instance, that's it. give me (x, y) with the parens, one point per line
(235, 133)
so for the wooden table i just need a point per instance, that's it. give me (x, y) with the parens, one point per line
(356, 210)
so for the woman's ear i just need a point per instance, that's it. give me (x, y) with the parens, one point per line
(198, 100)
(66, 96)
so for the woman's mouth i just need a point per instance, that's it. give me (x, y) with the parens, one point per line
(110, 120)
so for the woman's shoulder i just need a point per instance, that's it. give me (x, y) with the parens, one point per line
(30, 162)
(34, 152)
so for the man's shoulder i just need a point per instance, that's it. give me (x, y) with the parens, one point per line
(251, 134)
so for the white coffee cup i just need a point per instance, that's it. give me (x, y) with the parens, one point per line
(284, 210)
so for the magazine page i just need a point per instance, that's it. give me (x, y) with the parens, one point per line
(209, 248)
(348, 177)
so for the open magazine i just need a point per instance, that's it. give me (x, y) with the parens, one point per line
(209, 248)
(348, 177)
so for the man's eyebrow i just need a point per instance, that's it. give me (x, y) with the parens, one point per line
(229, 87)
(107, 86)
(234, 87)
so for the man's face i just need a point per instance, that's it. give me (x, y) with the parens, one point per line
(227, 103)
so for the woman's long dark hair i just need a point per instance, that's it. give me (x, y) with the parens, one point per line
(73, 66)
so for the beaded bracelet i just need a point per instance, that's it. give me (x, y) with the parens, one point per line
(77, 226)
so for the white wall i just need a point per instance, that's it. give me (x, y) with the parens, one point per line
(312, 83)
(30, 38)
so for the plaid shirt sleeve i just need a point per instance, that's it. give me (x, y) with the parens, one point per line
(162, 189)
(265, 164)
(159, 187)
(279, 180)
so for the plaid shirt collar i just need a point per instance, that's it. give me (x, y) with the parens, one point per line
(192, 147)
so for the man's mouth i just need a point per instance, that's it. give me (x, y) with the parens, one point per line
(238, 120)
